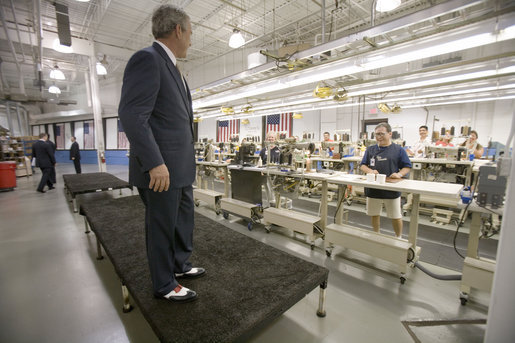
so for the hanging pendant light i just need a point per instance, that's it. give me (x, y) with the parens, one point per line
(236, 39)
(387, 5)
(57, 74)
(54, 89)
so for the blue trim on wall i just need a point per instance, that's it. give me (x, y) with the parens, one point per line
(115, 157)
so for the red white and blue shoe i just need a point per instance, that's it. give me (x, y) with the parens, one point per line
(181, 294)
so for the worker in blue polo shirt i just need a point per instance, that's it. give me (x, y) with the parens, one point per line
(390, 159)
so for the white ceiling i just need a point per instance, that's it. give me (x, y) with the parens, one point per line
(117, 28)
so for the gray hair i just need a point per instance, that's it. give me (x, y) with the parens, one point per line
(385, 125)
(165, 19)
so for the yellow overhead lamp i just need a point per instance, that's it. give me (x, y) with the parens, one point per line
(245, 121)
(247, 109)
(227, 110)
(396, 109)
(340, 95)
(297, 116)
(197, 120)
(384, 108)
(322, 91)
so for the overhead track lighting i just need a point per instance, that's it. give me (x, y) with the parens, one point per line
(387, 5)
(57, 74)
(101, 70)
(236, 39)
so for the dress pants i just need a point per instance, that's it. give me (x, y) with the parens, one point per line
(76, 163)
(52, 177)
(169, 221)
(45, 178)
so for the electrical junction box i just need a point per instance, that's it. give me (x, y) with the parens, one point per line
(416, 166)
(491, 187)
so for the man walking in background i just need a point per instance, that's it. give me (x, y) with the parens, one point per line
(44, 155)
(157, 116)
(75, 154)
(53, 177)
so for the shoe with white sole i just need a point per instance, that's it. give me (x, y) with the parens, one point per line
(181, 294)
(192, 273)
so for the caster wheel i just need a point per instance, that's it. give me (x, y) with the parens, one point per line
(463, 301)
(249, 226)
(328, 253)
(226, 215)
(464, 297)
(403, 280)
(197, 203)
(218, 212)
(268, 228)
(312, 247)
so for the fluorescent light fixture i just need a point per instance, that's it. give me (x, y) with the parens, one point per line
(57, 46)
(236, 39)
(54, 89)
(471, 36)
(57, 74)
(82, 0)
(387, 5)
(101, 70)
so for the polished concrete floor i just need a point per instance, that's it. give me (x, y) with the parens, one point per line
(52, 289)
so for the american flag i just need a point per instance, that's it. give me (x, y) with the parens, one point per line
(280, 123)
(123, 142)
(227, 128)
(89, 135)
(59, 136)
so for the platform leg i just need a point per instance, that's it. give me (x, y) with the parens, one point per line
(74, 201)
(99, 251)
(86, 225)
(127, 307)
(321, 299)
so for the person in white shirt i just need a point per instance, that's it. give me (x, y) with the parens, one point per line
(418, 149)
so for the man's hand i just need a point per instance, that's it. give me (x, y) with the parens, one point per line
(159, 178)
(73, 158)
(396, 176)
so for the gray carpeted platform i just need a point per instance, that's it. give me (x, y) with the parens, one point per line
(92, 182)
(247, 285)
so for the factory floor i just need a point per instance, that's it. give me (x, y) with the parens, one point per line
(52, 289)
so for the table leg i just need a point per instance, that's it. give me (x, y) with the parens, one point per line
(321, 300)
(475, 227)
(413, 225)
(127, 307)
(323, 206)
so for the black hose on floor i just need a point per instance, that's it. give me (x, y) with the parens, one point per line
(438, 276)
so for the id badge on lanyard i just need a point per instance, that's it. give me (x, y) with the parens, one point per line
(373, 162)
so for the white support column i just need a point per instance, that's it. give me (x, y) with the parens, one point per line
(500, 326)
(97, 114)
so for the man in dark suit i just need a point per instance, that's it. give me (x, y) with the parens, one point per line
(157, 116)
(75, 154)
(44, 155)
(53, 177)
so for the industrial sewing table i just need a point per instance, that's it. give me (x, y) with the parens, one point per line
(247, 284)
(478, 272)
(396, 250)
(202, 191)
(75, 184)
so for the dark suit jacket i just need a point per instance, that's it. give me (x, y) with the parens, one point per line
(156, 114)
(74, 151)
(52, 144)
(44, 154)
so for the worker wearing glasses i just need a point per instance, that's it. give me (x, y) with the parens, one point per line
(390, 159)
